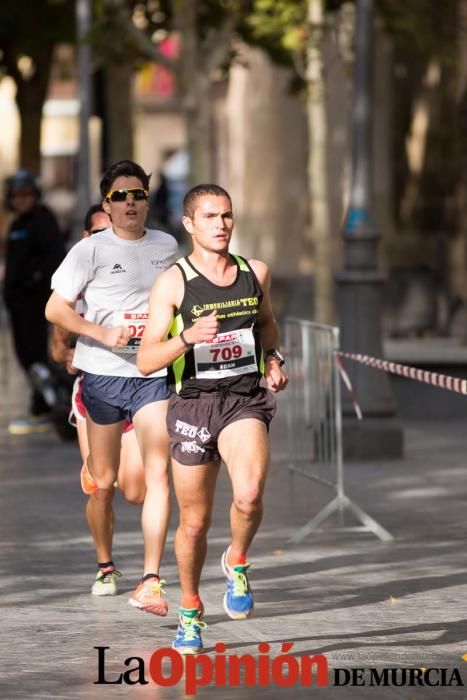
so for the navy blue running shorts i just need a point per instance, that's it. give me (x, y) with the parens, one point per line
(112, 399)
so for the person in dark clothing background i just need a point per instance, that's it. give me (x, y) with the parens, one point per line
(35, 248)
(166, 203)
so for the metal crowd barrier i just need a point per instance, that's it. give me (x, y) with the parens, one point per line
(314, 422)
(3, 333)
(4, 366)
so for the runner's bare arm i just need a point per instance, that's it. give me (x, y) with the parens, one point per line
(156, 351)
(267, 322)
(60, 345)
(60, 350)
(273, 372)
(62, 312)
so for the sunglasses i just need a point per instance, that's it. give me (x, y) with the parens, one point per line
(97, 230)
(137, 193)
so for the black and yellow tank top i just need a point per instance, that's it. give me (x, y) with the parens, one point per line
(233, 360)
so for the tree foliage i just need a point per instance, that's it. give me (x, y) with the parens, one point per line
(31, 29)
(279, 27)
(129, 32)
(29, 32)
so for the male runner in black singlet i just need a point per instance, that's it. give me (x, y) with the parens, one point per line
(222, 339)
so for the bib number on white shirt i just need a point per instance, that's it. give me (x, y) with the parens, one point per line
(229, 354)
(136, 324)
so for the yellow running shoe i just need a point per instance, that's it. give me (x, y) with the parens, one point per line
(106, 582)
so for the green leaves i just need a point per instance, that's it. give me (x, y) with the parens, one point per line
(278, 27)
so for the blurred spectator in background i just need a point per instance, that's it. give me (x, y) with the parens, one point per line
(166, 205)
(34, 249)
(96, 220)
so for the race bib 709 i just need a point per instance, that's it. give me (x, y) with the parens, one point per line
(227, 355)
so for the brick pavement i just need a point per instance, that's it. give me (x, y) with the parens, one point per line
(360, 602)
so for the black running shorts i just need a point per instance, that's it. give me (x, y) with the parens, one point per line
(194, 424)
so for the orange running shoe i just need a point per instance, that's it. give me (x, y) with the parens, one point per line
(88, 484)
(148, 597)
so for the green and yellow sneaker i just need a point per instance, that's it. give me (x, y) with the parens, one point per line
(106, 582)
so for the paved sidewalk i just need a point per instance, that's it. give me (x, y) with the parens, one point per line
(360, 602)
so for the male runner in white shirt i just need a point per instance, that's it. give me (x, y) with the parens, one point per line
(114, 271)
(131, 470)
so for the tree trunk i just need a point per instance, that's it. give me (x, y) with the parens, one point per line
(118, 110)
(324, 309)
(458, 245)
(30, 98)
(203, 126)
(196, 91)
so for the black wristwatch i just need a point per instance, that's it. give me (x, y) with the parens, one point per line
(276, 354)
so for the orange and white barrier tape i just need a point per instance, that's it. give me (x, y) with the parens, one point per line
(420, 375)
(346, 379)
(459, 386)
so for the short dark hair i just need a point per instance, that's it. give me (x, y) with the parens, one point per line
(90, 213)
(125, 168)
(192, 196)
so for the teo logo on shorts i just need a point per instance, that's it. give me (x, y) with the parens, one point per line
(191, 447)
(192, 431)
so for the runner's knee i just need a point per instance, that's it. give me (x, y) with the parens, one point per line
(104, 476)
(195, 528)
(157, 479)
(133, 494)
(249, 501)
(104, 494)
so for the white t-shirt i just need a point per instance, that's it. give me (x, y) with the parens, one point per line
(114, 277)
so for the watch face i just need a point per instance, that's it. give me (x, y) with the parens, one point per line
(280, 357)
(275, 353)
